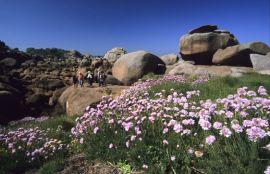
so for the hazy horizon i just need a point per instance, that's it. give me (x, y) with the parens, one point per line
(98, 25)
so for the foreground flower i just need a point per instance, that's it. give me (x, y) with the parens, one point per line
(210, 139)
(267, 170)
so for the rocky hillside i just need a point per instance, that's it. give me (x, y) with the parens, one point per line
(33, 82)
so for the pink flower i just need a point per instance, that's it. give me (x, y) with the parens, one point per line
(133, 137)
(127, 126)
(81, 141)
(205, 124)
(145, 166)
(151, 119)
(165, 142)
(173, 158)
(225, 132)
(127, 144)
(165, 130)
(110, 146)
(254, 133)
(210, 139)
(237, 128)
(177, 128)
(262, 91)
(267, 170)
(95, 130)
(111, 121)
(188, 122)
(217, 125)
(229, 114)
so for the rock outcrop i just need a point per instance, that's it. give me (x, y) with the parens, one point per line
(75, 100)
(238, 55)
(261, 63)
(132, 66)
(169, 59)
(113, 54)
(201, 43)
(220, 71)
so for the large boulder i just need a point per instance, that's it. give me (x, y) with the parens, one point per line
(169, 59)
(74, 100)
(112, 80)
(238, 55)
(36, 103)
(132, 66)
(201, 44)
(260, 63)
(204, 29)
(113, 54)
(8, 63)
(11, 107)
(215, 71)
(50, 84)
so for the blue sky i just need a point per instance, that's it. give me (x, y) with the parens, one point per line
(95, 26)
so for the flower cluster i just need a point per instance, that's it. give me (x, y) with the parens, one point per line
(31, 143)
(243, 113)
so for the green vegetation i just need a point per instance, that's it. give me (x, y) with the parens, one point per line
(46, 52)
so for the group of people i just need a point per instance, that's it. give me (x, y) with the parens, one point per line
(90, 77)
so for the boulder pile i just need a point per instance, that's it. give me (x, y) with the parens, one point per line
(215, 52)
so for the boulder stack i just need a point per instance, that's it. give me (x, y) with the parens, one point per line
(200, 44)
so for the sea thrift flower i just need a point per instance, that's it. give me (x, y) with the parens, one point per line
(267, 170)
(254, 133)
(177, 128)
(225, 132)
(95, 130)
(173, 158)
(165, 142)
(237, 128)
(205, 124)
(165, 130)
(145, 166)
(210, 139)
(81, 141)
(262, 91)
(110, 146)
(217, 125)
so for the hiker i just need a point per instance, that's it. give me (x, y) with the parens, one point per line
(98, 77)
(74, 81)
(80, 79)
(102, 79)
(90, 78)
(104, 76)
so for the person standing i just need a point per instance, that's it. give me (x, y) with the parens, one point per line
(103, 76)
(80, 79)
(74, 81)
(98, 78)
(90, 78)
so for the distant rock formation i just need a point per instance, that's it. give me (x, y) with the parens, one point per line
(113, 54)
(200, 44)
